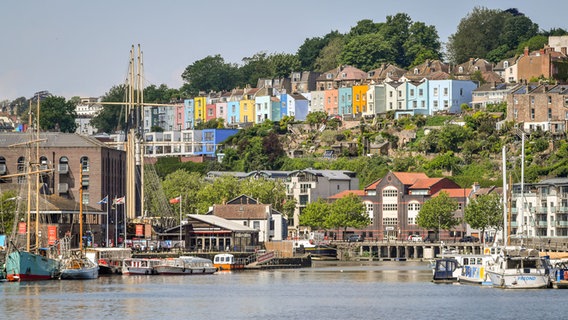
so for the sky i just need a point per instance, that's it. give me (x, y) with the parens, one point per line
(81, 48)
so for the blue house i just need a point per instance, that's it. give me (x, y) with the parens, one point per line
(345, 105)
(276, 109)
(233, 112)
(298, 106)
(417, 97)
(212, 138)
(449, 95)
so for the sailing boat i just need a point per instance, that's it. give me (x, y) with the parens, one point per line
(25, 264)
(517, 267)
(76, 266)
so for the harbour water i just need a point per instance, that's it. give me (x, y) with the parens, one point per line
(328, 290)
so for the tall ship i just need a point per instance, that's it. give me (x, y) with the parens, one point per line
(24, 262)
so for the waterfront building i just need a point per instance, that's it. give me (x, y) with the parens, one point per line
(540, 209)
(303, 82)
(359, 102)
(244, 210)
(70, 156)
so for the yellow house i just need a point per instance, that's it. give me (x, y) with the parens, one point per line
(247, 104)
(200, 106)
(360, 98)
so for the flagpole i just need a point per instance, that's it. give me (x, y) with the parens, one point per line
(124, 222)
(180, 203)
(115, 222)
(106, 229)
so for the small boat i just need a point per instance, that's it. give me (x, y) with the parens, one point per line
(185, 265)
(140, 266)
(473, 269)
(78, 267)
(227, 261)
(109, 259)
(520, 268)
(317, 247)
(446, 270)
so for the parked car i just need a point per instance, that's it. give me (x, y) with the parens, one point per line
(415, 237)
(355, 238)
(469, 239)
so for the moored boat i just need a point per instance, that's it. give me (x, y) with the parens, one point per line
(446, 270)
(78, 267)
(473, 269)
(109, 259)
(520, 268)
(185, 265)
(227, 261)
(28, 266)
(140, 266)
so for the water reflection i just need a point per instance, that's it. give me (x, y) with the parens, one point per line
(328, 290)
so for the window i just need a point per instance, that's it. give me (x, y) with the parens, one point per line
(532, 113)
(549, 114)
(400, 93)
(412, 92)
(357, 97)
(445, 91)
(549, 99)
(460, 69)
(256, 225)
(390, 193)
(423, 104)
(532, 99)
(420, 92)
(390, 94)
(84, 164)
(415, 70)
(435, 103)
(435, 92)
(414, 104)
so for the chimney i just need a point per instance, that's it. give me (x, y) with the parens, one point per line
(475, 187)
(526, 51)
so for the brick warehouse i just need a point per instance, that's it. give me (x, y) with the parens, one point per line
(69, 155)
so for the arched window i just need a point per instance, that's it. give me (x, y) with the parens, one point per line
(85, 164)
(415, 70)
(506, 64)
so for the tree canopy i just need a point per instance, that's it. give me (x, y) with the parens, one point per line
(438, 213)
(485, 211)
(57, 114)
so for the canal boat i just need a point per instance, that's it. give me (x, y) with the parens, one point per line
(185, 265)
(109, 259)
(520, 268)
(227, 261)
(140, 266)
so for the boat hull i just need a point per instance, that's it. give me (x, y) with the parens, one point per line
(515, 280)
(140, 266)
(80, 274)
(27, 266)
(173, 270)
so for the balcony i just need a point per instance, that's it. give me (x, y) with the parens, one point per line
(541, 224)
(63, 188)
(542, 210)
(63, 168)
(561, 224)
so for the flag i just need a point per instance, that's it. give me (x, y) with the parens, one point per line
(103, 201)
(118, 200)
(175, 200)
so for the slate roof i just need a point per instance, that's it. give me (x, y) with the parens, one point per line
(53, 139)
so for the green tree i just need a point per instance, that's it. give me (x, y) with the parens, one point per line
(309, 51)
(484, 211)
(8, 207)
(211, 73)
(315, 215)
(283, 64)
(184, 183)
(438, 213)
(346, 212)
(367, 51)
(56, 114)
(423, 43)
(267, 191)
(476, 35)
(329, 56)
(112, 117)
(221, 190)
(255, 67)
(316, 118)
